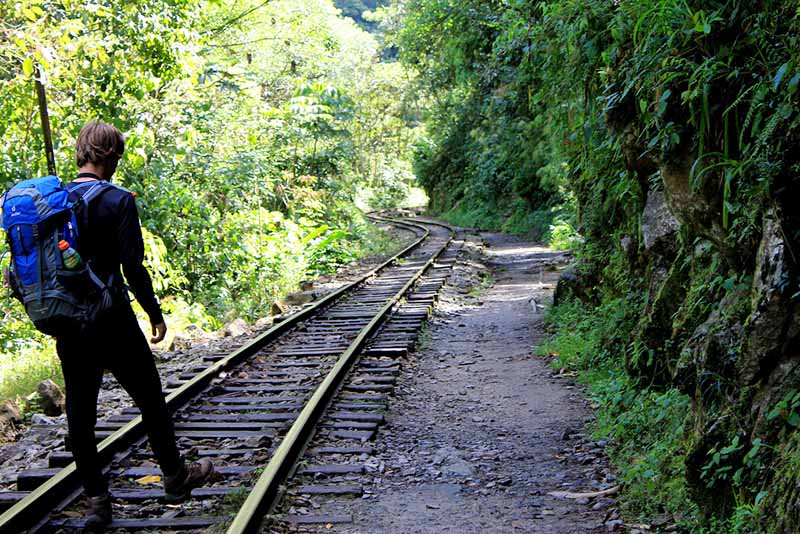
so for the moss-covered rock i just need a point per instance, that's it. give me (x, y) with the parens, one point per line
(659, 226)
(772, 304)
(652, 357)
(781, 505)
(575, 283)
(705, 368)
(714, 496)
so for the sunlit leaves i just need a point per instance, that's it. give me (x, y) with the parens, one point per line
(241, 141)
(27, 66)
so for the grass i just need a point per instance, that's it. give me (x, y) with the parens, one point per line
(486, 281)
(28, 357)
(376, 241)
(234, 500)
(424, 338)
(517, 219)
(21, 372)
(644, 427)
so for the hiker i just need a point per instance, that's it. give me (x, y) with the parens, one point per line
(110, 238)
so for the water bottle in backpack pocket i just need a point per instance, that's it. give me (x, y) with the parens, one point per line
(59, 291)
(69, 256)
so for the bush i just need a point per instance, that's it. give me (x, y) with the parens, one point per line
(645, 427)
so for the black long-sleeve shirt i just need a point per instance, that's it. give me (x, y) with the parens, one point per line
(112, 238)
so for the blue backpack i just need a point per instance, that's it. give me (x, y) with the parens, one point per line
(37, 215)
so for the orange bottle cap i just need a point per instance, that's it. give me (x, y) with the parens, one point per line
(63, 245)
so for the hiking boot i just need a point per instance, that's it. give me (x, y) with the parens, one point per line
(178, 487)
(98, 514)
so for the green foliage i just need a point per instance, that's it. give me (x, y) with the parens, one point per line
(529, 100)
(533, 224)
(486, 281)
(645, 427)
(473, 216)
(648, 430)
(357, 9)
(745, 519)
(519, 221)
(23, 369)
(26, 356)
(593, 105)
(787, 410)
(563, 235)
(251, 130)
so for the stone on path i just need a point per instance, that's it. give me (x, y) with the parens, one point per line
(9, 414)
(51, 399)
(236, 328)
(279, 307)
(300, 298)
(263, 323)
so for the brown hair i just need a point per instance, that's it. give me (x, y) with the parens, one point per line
(99, 143)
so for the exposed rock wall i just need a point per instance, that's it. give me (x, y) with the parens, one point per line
(718, 321)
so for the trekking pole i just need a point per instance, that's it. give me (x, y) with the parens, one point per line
(48, 136)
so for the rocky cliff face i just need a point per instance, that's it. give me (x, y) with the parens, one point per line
(739, 361)
(720, 323)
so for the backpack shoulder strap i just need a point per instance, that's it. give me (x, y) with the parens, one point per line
(93, 192)
(94, 189)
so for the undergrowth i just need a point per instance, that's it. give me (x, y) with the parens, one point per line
(554, 226)
(644, 426)
(486, 281)
(22, 371)
(29, 357)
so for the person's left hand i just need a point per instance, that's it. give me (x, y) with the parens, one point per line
(159, 331)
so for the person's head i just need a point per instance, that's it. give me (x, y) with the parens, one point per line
(100, 146)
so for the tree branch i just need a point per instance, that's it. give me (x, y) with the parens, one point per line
(228, 23)
(231, 45)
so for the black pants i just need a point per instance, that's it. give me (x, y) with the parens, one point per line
(115, 343)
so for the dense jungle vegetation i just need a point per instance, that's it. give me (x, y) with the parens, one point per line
(659, 140)
(253, 129)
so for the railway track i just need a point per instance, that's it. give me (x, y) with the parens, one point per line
(323, 374)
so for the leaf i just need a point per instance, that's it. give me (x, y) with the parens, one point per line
(150, 479)
(793, 83)
(314, 234)
(779, 76)
(334, 236)
(729, 284)
(794, 419)
(29, 14)
(27, 66)
(753, 452)
(662, 103)
(733, 447)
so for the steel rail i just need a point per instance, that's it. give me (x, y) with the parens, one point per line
(28, 513)
(266, 492)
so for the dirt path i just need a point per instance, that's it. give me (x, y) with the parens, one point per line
(481, 430)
